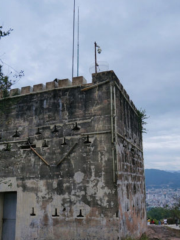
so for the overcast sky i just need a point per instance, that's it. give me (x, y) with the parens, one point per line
(140, 40)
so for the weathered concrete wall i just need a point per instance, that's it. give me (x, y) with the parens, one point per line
(83, 177)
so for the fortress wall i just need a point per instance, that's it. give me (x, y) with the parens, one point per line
(78, 184)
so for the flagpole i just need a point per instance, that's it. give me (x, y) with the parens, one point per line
(73, 41)
(78, 46)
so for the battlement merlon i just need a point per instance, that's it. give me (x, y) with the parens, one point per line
(97, 78)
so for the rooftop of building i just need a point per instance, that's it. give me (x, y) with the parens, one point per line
(80, 81)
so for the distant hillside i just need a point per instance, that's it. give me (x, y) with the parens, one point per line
(158, 179)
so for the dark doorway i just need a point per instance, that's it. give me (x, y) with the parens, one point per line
(9, 216)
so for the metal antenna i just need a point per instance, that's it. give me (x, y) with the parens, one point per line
(99, 50)
(78, 46)
(73, 41)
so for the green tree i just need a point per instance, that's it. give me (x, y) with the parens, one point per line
(175, 210)
(159, 213)
(7, 81)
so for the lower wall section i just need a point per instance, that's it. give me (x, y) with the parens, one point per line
(45, 215)
(71, 229)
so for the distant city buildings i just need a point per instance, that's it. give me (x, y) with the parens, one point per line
(163, 197)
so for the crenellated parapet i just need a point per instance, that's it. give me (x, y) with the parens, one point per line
(57, 83)
(77, 81)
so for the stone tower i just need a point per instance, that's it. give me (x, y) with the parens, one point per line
(71, 162)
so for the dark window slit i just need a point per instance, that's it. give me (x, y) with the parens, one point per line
(76, 128)
(32, 214)
(44, 144)
(38, 132)
(64, 142)
(80, 214)
(117, 213)
(55, 129)
(87, 140)
(55, 215)
(16, 134)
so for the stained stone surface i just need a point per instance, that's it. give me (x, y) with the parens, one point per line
(77, 163)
